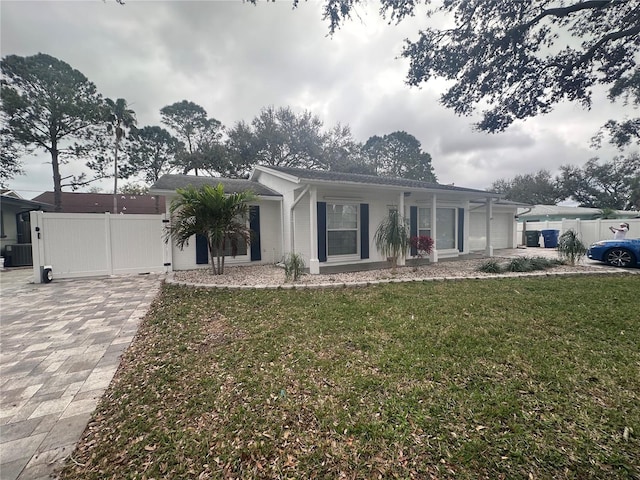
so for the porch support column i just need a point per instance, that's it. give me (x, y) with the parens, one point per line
(314, 263)
(402, 259)
(433, 256)
(489, 247)
(466, 225)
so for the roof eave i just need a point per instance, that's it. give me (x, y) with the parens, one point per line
(275, 173)
(401, 188)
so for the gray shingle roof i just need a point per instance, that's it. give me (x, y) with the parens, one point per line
(325, 176)
(231, 185)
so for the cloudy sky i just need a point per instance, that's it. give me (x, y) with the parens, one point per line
(234, 58)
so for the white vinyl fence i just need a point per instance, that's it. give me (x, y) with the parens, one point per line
(589, 231)
(89, 244)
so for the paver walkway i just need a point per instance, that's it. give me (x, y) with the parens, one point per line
(60, 346)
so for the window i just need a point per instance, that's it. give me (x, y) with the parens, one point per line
(445, 223)
(342, 229)
(242, 247)
(424, 222)
(446, 228)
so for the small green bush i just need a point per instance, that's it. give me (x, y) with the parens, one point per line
(541, 263)
(490, 266)
(293, 266)
(519, 264)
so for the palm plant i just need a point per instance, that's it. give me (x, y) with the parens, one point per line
(570, 247)
(119, 119)
(392, 237)
(220, 218)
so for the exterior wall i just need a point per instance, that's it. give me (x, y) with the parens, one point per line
(302, 229)
(81, 245)
(379, 203)
(379, 206)
(289, 191)
(270, 241)
(10, 232)
(271, 231)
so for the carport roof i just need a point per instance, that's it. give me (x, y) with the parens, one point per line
(169, 183)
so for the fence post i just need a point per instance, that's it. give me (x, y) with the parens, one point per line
(37, 244)
(167, 249)
(107, 233)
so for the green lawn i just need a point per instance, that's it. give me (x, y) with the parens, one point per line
(502, 378)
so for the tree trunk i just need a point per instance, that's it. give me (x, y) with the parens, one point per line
(212, 255)
(57, 181)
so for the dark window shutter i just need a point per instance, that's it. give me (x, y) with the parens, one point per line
(322, 231)
(413, 227)
(254, 225)
(364, 230)
(460, 229)
(202, 251)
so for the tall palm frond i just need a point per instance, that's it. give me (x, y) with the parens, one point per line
(119, 119)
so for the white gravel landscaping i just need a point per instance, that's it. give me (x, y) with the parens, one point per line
(272, 276)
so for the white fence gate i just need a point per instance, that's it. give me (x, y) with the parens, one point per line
(90, 244)
(589, 231)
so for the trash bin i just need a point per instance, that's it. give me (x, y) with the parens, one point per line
(550, 238)
(533, 238)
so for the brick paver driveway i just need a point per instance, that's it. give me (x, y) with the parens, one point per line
(60, 345)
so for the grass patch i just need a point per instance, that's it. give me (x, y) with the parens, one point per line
(502, 378)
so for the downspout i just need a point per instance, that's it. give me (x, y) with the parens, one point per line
(524, 213)
(524, 226)
(292, 217)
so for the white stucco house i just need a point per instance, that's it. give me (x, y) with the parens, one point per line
(331, 217)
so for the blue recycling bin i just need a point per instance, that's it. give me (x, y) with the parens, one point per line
(550, 238)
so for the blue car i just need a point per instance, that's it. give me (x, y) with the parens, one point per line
(618, 253)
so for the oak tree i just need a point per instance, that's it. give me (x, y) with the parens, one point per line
(613, 184)
(538, 188)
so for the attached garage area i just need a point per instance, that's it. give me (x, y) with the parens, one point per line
(502, 230)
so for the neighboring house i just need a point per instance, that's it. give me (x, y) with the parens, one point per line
(103, 202)
(15, 227)
(541, 213)
(331, 218)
